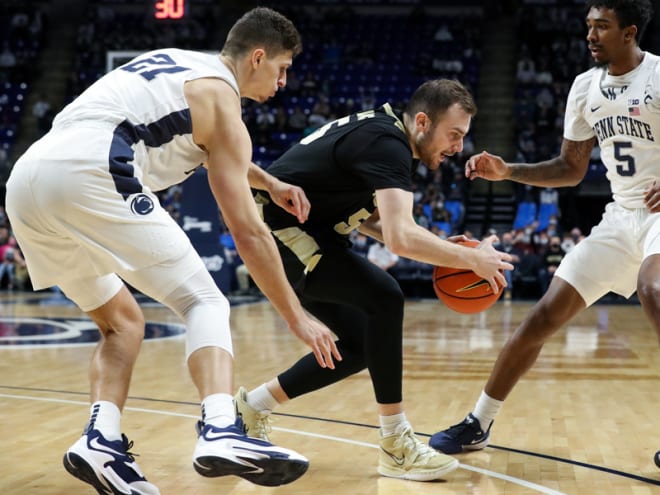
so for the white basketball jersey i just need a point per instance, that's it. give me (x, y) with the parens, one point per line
(143, 101)
(623, 112)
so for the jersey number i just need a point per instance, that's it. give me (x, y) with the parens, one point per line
(353, 223)
(152, 66)
(626, 169)
(320, 132)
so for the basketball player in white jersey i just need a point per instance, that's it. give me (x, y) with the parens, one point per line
(617, 104)
(82, 206)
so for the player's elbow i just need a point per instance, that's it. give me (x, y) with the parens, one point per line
(397, 243)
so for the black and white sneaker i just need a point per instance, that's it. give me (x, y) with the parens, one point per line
(466, 435)
(229, 451)
(107, 465)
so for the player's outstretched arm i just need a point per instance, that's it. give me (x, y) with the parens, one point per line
(218, 126)
(287, 196)
(567, 169)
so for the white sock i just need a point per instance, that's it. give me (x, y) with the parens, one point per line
(105, 417)
(261, 399)
(219, 410)
(389, 424)
(486, 409)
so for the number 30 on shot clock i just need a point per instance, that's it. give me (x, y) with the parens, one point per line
(169, 9)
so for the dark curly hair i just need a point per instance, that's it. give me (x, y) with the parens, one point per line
(628, 12)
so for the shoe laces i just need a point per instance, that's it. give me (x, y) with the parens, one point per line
(262, 424)
(468, 427)
(127, 445)
(411, 444)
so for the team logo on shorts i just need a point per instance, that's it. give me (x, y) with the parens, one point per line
(142, 204)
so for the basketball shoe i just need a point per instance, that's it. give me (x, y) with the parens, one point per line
(107, 465)
(466, 435)
(229, 451)
(257, 423)
(403, 456)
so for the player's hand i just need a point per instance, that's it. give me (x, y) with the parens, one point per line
(492, 263)
(291, 198)
(652, 197)
(317, 336)
(486, 166)
(458, 238)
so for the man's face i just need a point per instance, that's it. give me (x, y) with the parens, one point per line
(443, 138)
(269, 75)
(606, 40)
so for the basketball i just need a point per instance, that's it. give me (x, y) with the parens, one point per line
(463, 290)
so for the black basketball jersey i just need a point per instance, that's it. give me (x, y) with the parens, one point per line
(340, 166)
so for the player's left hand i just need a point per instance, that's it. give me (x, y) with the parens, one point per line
(291, 198)
(652, 197)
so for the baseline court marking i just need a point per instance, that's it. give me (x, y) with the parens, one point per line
(517, 481)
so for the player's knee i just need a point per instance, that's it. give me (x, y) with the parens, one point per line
(388, 298)
(207, 324)
(648, 291)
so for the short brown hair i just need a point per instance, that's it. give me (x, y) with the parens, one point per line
(264, 28)
(434, 97)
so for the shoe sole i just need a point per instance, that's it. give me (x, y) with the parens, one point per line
(420, 476)
(273, 472)
(457, 449)
(80, 468)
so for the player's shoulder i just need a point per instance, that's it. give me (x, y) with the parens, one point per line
(654, 62)
(582, 82)
(585, 78)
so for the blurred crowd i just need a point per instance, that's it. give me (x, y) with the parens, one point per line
(351, 61)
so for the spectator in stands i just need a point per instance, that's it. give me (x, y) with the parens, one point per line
(443, 33)
(359, 243)
(439, 212)
(526, 72)
(7, 57)
(438, 231)
(420, 217)
(297, 120)
(381, 256)
(281, 118)
(309, 86)
(293, 83)
(42, 112)
(506, 245)
(550, 262)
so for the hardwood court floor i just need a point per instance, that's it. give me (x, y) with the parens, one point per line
(585, 420)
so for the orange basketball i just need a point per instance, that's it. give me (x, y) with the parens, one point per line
(463, 290)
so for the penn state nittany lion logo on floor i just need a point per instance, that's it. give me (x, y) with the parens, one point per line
(46, 332)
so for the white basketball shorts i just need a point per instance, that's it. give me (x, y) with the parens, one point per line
(71, 222)
(609, 258)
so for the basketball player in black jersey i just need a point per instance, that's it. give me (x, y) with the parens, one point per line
(356, 172)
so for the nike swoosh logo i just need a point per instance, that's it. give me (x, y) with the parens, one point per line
(398, 460)
(593, 109)
(212, 435)
(474, 285)
(94, 444)
(188, 172)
